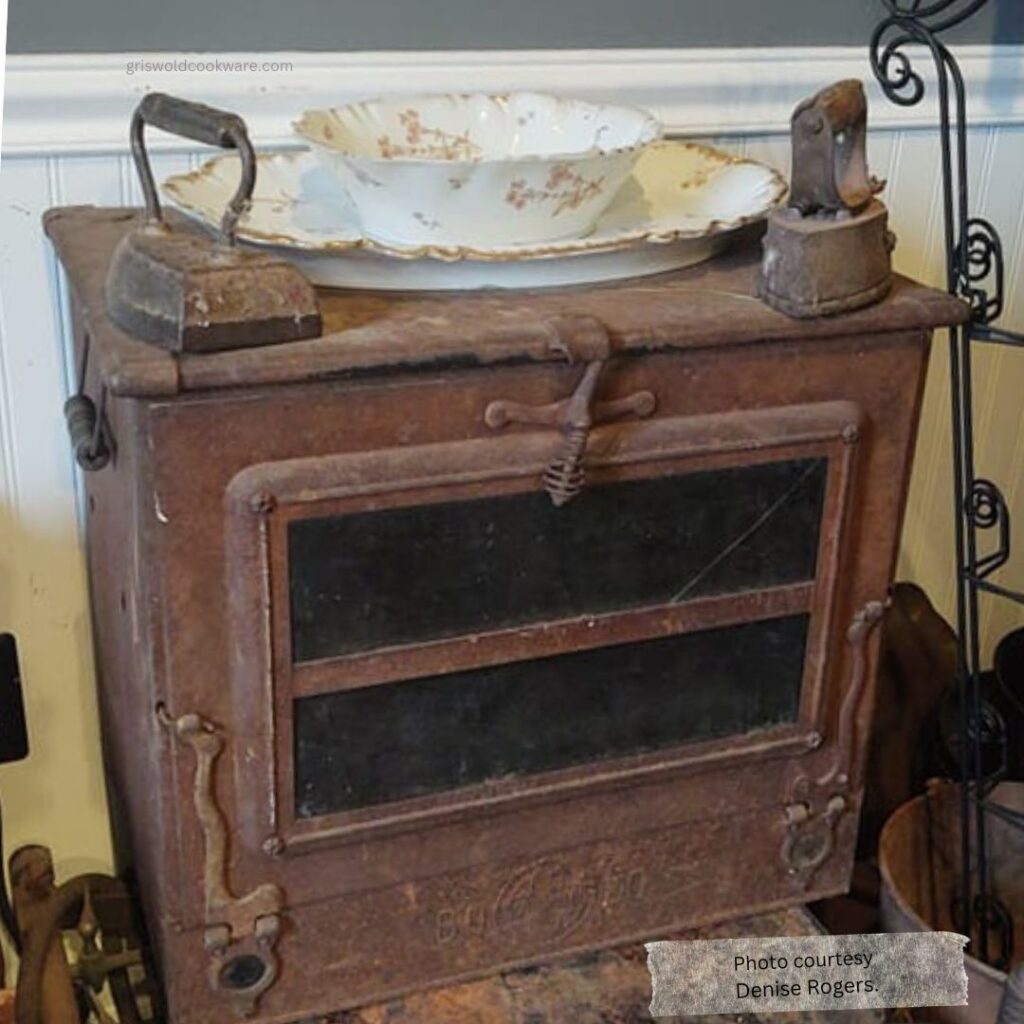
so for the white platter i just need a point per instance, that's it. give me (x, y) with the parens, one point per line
(676, 209)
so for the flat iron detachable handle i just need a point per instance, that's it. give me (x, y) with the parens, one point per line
(830, 169)
(200, 123)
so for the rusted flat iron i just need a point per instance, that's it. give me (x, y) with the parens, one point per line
(185, 291)
(829, 250)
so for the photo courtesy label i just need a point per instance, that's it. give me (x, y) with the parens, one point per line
(827, 972)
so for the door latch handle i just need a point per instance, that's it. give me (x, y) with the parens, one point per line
(241, 931)
(580, 339)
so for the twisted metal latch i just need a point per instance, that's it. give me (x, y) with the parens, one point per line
(579, 339)
(241, 932)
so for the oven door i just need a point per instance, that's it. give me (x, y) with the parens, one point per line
(422, 634)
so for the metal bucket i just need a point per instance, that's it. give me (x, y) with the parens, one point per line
(919, 857)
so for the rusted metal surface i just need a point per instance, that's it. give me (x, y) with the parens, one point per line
(818, 268)
(610, 987)
(817, 804)
(830, 167)
(364, 334)
(265, 499)
(185, 291)
(190, 566)
(564, 476)
(424, 880)
(241, 931)
(829, 249)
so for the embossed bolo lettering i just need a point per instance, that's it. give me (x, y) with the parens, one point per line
(545, 900)
(453, 923)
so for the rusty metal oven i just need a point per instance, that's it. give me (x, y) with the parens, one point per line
(425, 649)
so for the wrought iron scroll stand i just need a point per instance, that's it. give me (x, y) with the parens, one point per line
(975, 272)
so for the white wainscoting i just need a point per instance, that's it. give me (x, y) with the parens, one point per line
(64, 142)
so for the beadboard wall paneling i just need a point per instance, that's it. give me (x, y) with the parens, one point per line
(61, 103)
(66, 145)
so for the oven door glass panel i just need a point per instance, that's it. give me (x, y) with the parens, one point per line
(379, 744)
(432, 635)
(408, 575)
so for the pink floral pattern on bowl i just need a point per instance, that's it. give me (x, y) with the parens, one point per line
(477, 169)
(567, 189)
(428, 143)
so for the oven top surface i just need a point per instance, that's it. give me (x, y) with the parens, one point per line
(712, 304)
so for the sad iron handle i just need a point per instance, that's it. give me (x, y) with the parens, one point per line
(200, 123)
(830, 170)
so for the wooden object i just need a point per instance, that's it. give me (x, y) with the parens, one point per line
(381, 714)
(919, 855)
(917, 668)
(107, 957)
(33, 892)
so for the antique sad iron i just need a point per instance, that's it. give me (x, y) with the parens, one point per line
(829, 250)
(185, 291)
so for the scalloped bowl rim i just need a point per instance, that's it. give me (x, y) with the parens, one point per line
(650, 130)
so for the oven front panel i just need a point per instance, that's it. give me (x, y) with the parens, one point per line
(685, 816)
(371, 945)
(443, 640)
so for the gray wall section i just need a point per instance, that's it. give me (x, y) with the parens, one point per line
(217, 26)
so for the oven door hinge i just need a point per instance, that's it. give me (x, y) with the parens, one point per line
(241, 932)
(816, 805)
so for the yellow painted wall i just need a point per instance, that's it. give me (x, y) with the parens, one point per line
(997, 189)
(56, 796)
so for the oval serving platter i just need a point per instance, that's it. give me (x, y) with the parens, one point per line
(678, 208)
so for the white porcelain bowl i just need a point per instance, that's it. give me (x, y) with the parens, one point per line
(476, 169)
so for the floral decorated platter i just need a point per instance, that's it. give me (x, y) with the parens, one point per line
(677, 208)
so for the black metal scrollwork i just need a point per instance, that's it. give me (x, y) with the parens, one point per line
(938, 15)
(975, 272)
(982, 261)
(986, 509)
